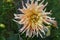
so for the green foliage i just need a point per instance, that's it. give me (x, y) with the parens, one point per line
(9, 28)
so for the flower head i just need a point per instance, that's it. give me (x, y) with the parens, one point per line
(34, 17)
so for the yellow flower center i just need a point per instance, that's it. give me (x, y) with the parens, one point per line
(33, 15)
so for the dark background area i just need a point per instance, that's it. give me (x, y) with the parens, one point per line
(9, 28)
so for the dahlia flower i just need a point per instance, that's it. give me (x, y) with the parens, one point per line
(34, 17)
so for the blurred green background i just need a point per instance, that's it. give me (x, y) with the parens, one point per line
(9, 28)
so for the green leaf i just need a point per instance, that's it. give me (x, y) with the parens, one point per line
(2, 38)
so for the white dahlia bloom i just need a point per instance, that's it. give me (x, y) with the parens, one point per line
(33, 18)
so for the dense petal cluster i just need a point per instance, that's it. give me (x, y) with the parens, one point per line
(34, 19)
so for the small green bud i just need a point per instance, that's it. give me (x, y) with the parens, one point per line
(2, 25)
